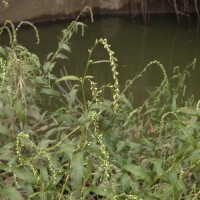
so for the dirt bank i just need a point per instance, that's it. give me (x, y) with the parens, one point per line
(43, 10)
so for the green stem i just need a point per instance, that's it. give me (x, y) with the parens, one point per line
(89, 61)
(63, 187)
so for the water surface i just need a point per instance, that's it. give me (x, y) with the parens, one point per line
(134, 44)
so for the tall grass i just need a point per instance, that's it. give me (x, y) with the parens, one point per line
(94, 148)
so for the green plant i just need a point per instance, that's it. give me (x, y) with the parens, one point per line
(94, 148)
(5, 3)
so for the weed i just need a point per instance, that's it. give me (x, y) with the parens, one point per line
(98, 148)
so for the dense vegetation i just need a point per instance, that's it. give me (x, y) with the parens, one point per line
(57, 144)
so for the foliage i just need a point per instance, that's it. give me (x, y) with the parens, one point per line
(5, 3)
(94, 148)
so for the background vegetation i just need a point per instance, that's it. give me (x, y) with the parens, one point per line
(57, 144)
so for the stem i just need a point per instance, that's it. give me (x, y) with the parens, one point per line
(70, 30)
(63, 187)
(89, 61)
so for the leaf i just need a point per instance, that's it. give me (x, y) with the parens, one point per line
(48, 66)
(137, 147)
(127, 102)
(41, 80)
(44, 143)
(120, 146)
(77, 171)
(190, 138)
(167, 192)
(173, 106)
(71, 97)
(104, 106)
(89, 168)
(158, 167)
(54, 130)
(50, 92)
(26, 175)
(66, 48)
(138, 171)
(176, 187)
(52, 77)
(62, 56)
(68, 78)
(4, 130)
(188, 111)
(44, 174)
(100, 190)
(19, 109)
(11, 193)
(126, 182)
(2, 51)
(68, 148)
(49, 55)
(4, 167)
(100, 61)
(7, 148)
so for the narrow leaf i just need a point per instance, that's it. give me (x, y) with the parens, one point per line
(11, 193)
(50, 91)
(62, 56)
(19, 109)
(68, 78)
(100, 61)
(138, 171)
(77, 171)
(66, 47)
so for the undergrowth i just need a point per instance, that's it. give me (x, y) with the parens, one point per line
(94, 148)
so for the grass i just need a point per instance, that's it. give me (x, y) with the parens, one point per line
(98, 148)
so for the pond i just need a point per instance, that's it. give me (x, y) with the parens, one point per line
(134, 44)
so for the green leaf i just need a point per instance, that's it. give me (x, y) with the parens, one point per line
(126, 182)
(19, 109)
(120, 146)
(68, 148)
(66, 48)
(50, 92)
(175, 182)
(77, 171)
(173, 106)
(62, 56)
(158, 167)
(49, 55)
(167, 192)
(44, 143)
(44, 174)
(5, 167)
(137, 147)
(11, 193)
(127, 102)
(26, 175)
(54, 130)
(89, 168)
(100, 61)
(71, 97)
(41, 80)
(48, 66)
(7, 147)
(2, 51)
(188, 111)
(138, 171)
(190, 138)
(99, 190)
(68, 78)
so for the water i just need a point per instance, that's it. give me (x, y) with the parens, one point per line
(134, 44)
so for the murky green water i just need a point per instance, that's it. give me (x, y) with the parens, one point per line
(134, 44)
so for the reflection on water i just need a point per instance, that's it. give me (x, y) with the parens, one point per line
(134, 45)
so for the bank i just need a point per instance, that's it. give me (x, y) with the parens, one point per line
(42, 10)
